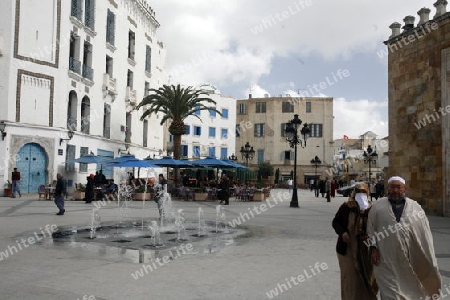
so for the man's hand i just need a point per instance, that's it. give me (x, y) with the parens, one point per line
(375, 256)
(346, 238)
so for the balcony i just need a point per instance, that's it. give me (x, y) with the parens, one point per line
(88, 72)
(130, 96)
(109, 84)
(74, 65)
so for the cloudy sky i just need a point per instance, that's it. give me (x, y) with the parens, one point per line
(288, 47)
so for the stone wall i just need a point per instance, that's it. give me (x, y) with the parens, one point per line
(417, 109)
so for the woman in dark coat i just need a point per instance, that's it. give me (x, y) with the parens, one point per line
(350, 223)
(89, 188)
(224, 190)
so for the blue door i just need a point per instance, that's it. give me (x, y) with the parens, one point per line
(32, 163)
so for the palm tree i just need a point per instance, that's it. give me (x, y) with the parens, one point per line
(176, 103)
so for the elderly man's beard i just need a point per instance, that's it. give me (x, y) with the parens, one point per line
(395, 199)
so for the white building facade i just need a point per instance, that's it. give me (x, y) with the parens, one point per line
(76, 66)
(209, 134)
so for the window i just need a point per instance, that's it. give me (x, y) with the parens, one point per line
(88, 72)
(110, 27)
(85, 114)
(187, 129)
(106, 120)
(288, 155)
(196, 151)
(146, 88)
(184, 150)
(197, 130)
(70, 154)
(148, 59)
(171, 138)
(212, 151)
(242, 109)
(287, 107)
(212, 113)
(130, 79)
(89, 9)
(131, 44)
(76, 9)
(74, 54)
(128, 122)
(224, 133)
(109, 66)
(260, 156)
(223, 153)
(84, 151)
(259, 130)
(197, 110)
(238, 130)
(283, 129)
(212, 132)
(225, 113)
(260, 107)
(315, 130)
(308, 107)
(145, 133)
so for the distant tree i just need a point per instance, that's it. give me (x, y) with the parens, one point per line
(265, 170)
(176, 104)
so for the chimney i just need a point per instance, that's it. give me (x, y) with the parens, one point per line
(441, 8)
(395, 29)
(424, 15)
(409, 23)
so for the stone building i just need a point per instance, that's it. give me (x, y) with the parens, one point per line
(75, 67)
(419, 93)
(262, 122)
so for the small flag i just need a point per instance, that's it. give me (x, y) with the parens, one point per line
(345, 137)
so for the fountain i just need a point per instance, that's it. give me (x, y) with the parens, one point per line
(220, 218)
(95, 222)
(180, 222)
(201, 223)
(167, 213)
(156, 236)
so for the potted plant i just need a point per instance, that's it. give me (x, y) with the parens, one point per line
(8, 189)
(79, 193)
(258, 195)
(140, 193)
(200, 194)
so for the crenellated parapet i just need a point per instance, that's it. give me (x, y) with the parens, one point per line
(424, 26)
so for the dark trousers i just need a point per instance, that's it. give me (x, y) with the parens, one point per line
(59, 201)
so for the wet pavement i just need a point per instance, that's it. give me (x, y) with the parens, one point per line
(279, 243)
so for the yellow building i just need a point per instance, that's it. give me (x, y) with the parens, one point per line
(262, 121)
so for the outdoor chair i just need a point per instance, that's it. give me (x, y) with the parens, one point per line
(42, 191)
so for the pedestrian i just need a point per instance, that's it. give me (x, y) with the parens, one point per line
(379, 187)
(60, 193)
(89, 194)
(334, 187)
(401, 246)
(160, 190)
(290, 182)
(311, 184)
(350, 221)
(322, 187)
(15, 178)
(328, 189)
(224, 190)
(317, 188)
(373, 191)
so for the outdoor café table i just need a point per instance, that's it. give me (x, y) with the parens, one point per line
(50, 190)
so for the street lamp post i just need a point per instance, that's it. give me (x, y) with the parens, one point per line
(370, 157)
(247, 153)
(232, 157)
(315, 161)
(293, 139)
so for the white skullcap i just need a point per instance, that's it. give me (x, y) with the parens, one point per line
(396, 178)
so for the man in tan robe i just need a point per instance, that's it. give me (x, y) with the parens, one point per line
(401, 244)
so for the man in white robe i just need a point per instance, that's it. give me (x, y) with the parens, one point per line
(401, 245)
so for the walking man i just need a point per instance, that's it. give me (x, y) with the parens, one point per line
(15, 177)
(401, 246)
(60, 193)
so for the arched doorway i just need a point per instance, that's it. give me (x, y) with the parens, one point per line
(32, 165)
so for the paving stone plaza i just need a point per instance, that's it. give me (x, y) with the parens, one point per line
(285, 253)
